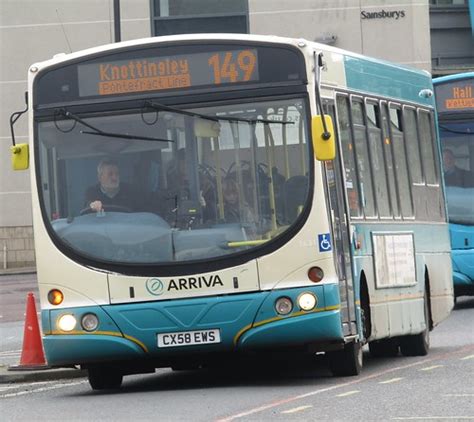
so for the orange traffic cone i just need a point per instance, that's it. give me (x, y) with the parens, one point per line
(32, 355)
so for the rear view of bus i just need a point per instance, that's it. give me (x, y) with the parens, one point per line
(455, 104)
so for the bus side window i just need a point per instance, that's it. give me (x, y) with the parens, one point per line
(377, 159)
(387, 146)
(347, 149)
(400, 158)
(426, 137)
(412, 143)
(363, 163)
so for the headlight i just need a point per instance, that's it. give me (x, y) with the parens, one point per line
(90, 322)
(283, 305)
(307, 301)
(67, 322)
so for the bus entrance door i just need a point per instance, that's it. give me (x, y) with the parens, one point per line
(341, 236)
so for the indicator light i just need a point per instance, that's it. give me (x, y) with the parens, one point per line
(55, 297)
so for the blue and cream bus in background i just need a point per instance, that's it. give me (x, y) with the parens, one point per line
(339, 239)
(455, 107)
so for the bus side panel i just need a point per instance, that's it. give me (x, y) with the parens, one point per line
(398, 310)
(441, 293)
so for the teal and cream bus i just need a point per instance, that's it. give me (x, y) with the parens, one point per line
(335, 235)
(455, 108)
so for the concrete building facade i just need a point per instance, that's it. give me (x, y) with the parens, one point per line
(35, 30)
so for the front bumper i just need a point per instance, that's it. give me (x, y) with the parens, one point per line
(246, 322)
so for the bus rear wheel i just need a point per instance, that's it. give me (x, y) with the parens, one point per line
(104, 378)
(348, 361)
(418, 344)
(383, 348)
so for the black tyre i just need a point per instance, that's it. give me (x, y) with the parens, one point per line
(418, 344)
(348, 361)
(383, 348)
(103, 378)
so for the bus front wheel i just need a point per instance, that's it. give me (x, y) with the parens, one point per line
(104, 378)
(348, 361)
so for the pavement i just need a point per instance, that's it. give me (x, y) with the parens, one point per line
(13, 284)
(8, 376)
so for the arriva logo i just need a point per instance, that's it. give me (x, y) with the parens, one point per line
(154, 286)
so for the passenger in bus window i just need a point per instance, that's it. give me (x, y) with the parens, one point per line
(179, 186)
(235, 210)
(110, 194)
(453, 175)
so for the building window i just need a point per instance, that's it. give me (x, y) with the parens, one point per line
(199, 16)
(448, 2)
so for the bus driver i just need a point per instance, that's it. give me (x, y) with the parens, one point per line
(110, 193)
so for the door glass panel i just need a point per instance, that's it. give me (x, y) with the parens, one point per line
(347, 149)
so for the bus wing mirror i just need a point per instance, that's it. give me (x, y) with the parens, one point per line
(324, 144)
(20, 156)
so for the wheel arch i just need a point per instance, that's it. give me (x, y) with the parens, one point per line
(364, 296)
(427, 289)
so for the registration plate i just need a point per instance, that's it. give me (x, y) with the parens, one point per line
(189, 338)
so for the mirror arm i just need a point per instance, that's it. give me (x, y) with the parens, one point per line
(15, 116)
(318, 64)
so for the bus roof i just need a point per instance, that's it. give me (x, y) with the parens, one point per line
(354, 71)
(455, 77)
(225, 37)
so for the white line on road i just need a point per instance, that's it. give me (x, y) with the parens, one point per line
(459, 395)
(22, 385)
(296, 409)
(429, 368)
(313, 393)
(430, 418)
(40, 390)
(10, 352)
(349, 393)
(390, 381)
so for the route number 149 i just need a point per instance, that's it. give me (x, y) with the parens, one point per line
(228, 68)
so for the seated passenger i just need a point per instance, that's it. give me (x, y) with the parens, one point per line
(110, 193)
(179, 187)
(453, 175)
(235, 210)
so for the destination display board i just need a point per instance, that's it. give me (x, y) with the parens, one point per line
(159, 70)
(168, 72)
(455, 96)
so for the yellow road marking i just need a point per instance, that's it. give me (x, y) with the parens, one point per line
(296, 409)
(349, 393)
(391, 380)
(468, 357)
(429, 368)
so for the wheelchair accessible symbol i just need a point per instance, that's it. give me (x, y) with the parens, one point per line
(324, 241)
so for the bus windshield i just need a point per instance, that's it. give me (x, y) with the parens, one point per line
(160, 185)
(458, 159)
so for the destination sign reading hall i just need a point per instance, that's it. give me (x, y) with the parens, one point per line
(168, 72)
(456, 96)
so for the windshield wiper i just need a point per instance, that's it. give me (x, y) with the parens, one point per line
(457, 131)
(98, 132)
(162, 107)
